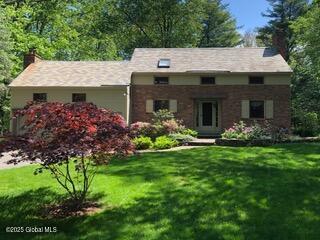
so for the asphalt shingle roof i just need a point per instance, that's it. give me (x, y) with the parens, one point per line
(74, 74)
(182, 60)
(234, 60)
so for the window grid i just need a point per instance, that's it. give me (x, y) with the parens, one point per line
(78, 97)
(39, 97)
(161, 105)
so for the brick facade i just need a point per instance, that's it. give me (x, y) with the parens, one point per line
(229, 96)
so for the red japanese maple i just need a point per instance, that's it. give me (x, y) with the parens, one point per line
(62, 136)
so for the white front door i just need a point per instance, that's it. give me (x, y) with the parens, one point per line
(207, 119)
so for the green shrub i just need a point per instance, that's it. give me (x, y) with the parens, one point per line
(188, 131)
(182, 138)
(258, 132)
(161, 116)
(164, 142)
(307, 124)
(142, 142)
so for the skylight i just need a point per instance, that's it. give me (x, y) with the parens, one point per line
(164, 63)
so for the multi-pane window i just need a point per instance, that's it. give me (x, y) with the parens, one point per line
(78, 97)
(256, 109)
(208, 80)
(161, 80)
(39, 97)
(161, 105)
(256, 80)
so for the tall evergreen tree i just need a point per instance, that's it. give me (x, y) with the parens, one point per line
(219, 28)
(172, 23)
(278, 32)
(162, 23)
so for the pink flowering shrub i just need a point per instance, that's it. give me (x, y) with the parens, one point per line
(172, 126)
(141, 128)
(163, 123)
(243, 132)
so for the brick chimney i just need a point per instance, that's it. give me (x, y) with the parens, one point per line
(30, 57)
(279, 41)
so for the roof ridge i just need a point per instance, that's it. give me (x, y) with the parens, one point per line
(86, 61)
(209, 48)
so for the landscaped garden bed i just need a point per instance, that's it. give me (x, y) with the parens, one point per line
(164, 132)
(241, 135)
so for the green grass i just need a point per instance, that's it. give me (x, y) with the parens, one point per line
(206, 193)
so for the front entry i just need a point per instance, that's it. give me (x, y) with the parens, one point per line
(207, 119)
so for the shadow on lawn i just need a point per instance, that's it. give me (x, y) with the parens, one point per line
(211, 193)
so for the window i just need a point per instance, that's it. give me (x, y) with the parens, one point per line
(256, 109)
(161, 104)
(161, 80)
(164, 63)
(256, 80)
(208, 80)
(40, 97)
(78, 97)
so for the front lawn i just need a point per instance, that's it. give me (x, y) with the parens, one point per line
(205, 193)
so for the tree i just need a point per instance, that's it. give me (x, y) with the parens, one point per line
(219, 28)
(5, 48)
(5, 70)
(169, 23)
(249, 39)
(307, 32)
(277, 32)
(59, 30)
(149, 23)
(306, 65)
(65, 136)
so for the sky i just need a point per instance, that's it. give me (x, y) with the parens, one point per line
(248, 13)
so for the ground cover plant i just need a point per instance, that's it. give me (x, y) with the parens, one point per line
(206, 193)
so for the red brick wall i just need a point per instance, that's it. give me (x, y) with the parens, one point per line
(230, 97)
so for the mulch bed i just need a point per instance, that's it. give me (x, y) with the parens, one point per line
(244, 143)
(66, 209)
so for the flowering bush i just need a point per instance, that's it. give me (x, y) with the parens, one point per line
(162, 124)
(172, 126)
(243, 132)
(165, 130)
(141, 128)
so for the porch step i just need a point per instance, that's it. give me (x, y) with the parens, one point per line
(202, 142)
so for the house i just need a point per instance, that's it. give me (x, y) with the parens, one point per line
(208, 88)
